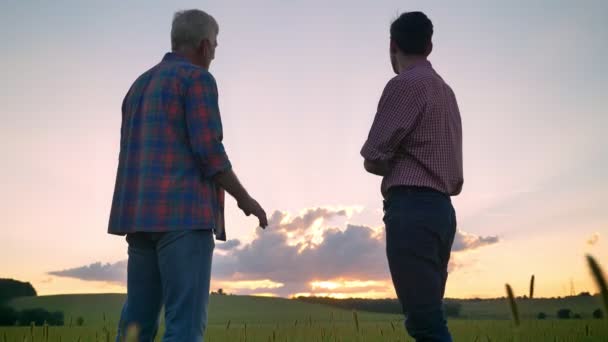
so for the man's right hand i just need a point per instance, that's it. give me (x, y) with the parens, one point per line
(250, 206)
(227, 179)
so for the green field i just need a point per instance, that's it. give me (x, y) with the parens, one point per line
(529, 308)
(276, 319)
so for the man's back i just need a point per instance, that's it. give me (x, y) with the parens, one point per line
(418, 130)
(431, 155)
(170, 147)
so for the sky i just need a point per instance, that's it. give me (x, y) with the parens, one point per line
(299, 82)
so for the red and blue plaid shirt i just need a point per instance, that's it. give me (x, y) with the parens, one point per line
(170, 148)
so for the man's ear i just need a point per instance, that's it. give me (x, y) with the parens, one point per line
(429, 48)
(393, 47)
(203, 48)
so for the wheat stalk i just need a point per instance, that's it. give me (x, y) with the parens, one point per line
(532, 287)
(356, 319)
(598, 275)
(512, 304)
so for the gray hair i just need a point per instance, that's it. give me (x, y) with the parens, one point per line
(190, 27)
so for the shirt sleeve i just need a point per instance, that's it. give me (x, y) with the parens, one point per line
(398, 110)
(204, 125)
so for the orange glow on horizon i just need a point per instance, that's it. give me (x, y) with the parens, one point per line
(343, 295)
(264, 294)
(247, 284)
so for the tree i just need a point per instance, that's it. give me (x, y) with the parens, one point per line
(541, 315)
(55, 318)
(8, 316)
(220, 292)
(564, 313)
(452, 309)
(577, 316)
(598, 313)
(80, 321)
(10, 288)
(37, 316)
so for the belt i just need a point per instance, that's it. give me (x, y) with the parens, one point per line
(401, 189)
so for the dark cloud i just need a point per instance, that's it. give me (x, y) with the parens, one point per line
(287, 253)
(113, 273)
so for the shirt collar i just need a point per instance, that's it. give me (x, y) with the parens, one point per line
(424, 63)
(174, 57)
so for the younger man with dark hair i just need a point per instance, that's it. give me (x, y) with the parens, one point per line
(415, 144)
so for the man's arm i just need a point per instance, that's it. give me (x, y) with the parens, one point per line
(229, 181)
(205, 133)
(379, 168)
(398, 111)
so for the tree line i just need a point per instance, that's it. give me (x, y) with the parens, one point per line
(9, 289)
(390, 306)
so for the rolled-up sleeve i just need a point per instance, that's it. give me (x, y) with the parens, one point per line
(204, 124)
(398, 110)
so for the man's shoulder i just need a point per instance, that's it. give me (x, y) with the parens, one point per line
(407, 82)
(186, 72)
(141, 79)
(414, 76)
(418, 78)
(174, 74)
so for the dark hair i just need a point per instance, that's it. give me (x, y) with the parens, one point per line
(412, 32)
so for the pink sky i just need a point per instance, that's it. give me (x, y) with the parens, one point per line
(299, 83)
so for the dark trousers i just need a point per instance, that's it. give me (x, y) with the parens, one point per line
(420, 228)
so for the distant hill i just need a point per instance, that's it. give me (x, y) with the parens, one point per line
(222, 308)
(529, 308)
(476, 308)
(264, 310)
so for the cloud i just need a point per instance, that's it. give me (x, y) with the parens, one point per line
(112, 273)
(352, 255)
(228, 245)
(355, 253)
(594, 239)
(47, 280)
(302, 254)
(304, 221)
(466, 241)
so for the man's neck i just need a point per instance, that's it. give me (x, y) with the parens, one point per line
(404, 62)
(192, 57)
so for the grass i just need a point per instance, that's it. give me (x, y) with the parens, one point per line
(245, 318)
(222, 309)
(462, 330)
(496, 309)
(232, 318)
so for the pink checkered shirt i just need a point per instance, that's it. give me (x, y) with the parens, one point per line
(418, 130)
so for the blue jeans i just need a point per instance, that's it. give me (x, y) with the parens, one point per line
(420, 228)
(171, 269)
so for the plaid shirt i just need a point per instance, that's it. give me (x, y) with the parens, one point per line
(418, 130)
(170, 148)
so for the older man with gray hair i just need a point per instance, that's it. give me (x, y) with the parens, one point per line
(169, 193)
